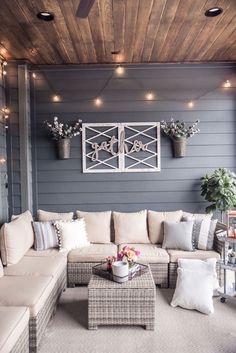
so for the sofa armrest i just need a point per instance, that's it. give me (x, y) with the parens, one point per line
(221, 230)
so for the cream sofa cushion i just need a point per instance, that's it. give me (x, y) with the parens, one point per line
(198, 216)
(1, 269)
(175, 255)
(98, 226)
(16, 238)
(156, 224)
(12, 326)
(150, 253)
(38, 266)
(131, 227)
(30, 291)
(45, 216)
(93, 253)
(45, 253)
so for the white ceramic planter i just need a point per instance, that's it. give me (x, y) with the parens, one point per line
(120, 270)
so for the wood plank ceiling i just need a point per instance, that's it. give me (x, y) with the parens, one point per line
(156, 31)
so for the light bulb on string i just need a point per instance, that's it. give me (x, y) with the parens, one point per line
(190, 104)
(120, 70)
(98, 101)
(149, 96)
(227, 84)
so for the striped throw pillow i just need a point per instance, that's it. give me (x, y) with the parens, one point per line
(203, 233)
(45, 236)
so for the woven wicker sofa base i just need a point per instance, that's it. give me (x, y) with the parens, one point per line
(80, 273)
(173, 274)
(22, 344)
(38, 324)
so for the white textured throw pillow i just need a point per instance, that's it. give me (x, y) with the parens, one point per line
(131, 228)
(71, 235)
(178, 235)
(194, 291)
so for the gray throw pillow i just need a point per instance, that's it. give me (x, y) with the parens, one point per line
(45, 236)
(178, 235)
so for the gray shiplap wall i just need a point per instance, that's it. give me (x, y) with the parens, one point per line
(61, 186)
(3, 167)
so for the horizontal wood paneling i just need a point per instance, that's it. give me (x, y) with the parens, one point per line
(61, 185)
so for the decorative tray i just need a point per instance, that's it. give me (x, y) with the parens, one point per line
(136, 270)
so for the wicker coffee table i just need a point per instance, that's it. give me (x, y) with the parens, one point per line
(129, 303)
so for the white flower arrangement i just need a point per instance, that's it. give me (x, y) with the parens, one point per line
(177, 129)
(61, 131)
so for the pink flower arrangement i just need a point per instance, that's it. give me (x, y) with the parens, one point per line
(129, 253)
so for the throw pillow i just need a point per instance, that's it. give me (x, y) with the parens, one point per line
(45, 236)
(71, 235)
(131, 228)
(208, 266)
(178, 235)
(199, 216)
(45, 216)
(16, 238)
(98, 226)
(203, 232)
(1, 269)
(156, 224)
(194, 291)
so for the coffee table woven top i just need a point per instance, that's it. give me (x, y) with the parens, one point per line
(143, 281)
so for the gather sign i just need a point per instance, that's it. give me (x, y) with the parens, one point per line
(121, 147)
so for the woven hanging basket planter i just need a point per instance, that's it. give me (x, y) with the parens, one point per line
(179, 147)
(63, 148)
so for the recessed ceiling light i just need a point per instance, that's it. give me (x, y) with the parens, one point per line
(45, 16)
(214, 11)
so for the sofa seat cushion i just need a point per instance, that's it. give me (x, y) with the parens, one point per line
(92, 253)
(38, 266)
(46, 253)
(30, 291)
(175, 255)
(149, 253)
(12, 326)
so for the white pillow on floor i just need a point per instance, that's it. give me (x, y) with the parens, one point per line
(208, 266)
(194, 291)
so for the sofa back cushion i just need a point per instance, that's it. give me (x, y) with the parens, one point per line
(131, 228)
(45, 216)
(17, 237)
(45, 236)
(1, 269)
(156, 224)
(98, 226)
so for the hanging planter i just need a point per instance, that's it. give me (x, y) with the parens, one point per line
(179, 147)
(179, 133)
(63, 148)
(63, 134)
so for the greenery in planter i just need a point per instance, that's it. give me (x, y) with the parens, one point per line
(220, 190)
(178, 129)
(60, 131)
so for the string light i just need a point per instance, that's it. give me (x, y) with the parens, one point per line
(120, 70)
(98, 101)
(3, 66)
(2, 160)
(227, 84)
(191, 104)
(34, 75)
(56, 98)
(5, 112)
(149, 96)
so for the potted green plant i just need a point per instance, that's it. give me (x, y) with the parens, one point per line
(232, 257)
(220, 190)
(63, 134)
(179, 132)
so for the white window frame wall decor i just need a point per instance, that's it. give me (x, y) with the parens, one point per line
(126, 147)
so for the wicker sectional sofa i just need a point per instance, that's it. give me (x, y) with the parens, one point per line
(31, 282)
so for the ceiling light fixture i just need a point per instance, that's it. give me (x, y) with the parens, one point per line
(45, 16)
(214, 11)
